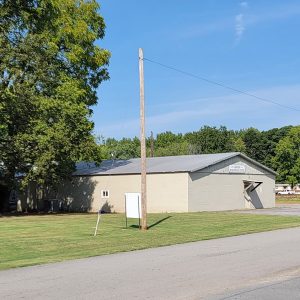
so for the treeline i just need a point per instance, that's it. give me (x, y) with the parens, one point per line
(277, 148)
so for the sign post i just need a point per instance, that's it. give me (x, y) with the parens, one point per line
(97, 224)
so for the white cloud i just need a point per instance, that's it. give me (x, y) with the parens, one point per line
(272, 14)
(239, 26)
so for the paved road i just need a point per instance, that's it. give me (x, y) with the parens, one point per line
(280, 210)
(255, 266)
(284, 290)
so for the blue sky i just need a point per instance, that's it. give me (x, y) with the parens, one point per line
(250, 45)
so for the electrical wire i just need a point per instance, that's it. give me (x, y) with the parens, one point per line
(221, 85)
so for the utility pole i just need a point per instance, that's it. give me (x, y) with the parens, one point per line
(151, 145)
(143, 142)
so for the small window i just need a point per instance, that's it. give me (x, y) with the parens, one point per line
(104, 193)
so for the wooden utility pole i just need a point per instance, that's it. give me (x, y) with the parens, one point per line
(143, 142)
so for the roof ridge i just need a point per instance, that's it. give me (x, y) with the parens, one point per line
(161, 164)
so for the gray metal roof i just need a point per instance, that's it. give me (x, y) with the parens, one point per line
(166, 164)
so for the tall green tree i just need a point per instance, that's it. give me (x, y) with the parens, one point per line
(271, 139)
(287, 158)
(123, 149)
(211, 140)
(50, 68)
(254, 143)
(170, 144)
(239, 144)
(275, 148)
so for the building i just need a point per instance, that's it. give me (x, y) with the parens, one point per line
(188, 183)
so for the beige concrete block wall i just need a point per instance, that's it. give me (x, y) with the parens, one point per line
(215, 189)
(166, 192)
(213, 192)
(217, 192)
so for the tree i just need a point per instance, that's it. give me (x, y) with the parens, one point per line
(166, 138)
(211, 140)
(170, 144)
(254, 143)
(262, 146)
(174, 148)
(287, 158)
(271, 138)
(126, 148)
(50, 69)
(239, 145)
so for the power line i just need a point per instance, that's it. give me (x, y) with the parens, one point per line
(221, 85)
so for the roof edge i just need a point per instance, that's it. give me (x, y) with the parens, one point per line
(234, 154)
(257, 163)
(216, 162)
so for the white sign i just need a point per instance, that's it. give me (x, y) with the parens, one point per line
(237, 169)
(133, 205)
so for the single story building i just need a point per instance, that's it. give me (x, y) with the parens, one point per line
(187, 183)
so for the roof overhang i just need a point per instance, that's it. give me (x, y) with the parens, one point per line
(251, 185)
(235, 154)
(258, 164)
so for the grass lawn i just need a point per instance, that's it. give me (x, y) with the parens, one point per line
(30, 240)
(288, 199)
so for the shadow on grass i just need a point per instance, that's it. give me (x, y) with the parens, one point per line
(154, 224)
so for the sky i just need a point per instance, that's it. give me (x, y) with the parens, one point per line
(250, 45)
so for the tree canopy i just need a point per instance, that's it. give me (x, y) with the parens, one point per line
(287, 157)
(50, 68)
(277, 148)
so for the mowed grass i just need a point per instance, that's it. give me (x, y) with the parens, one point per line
(30, 240)
(288, 199)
